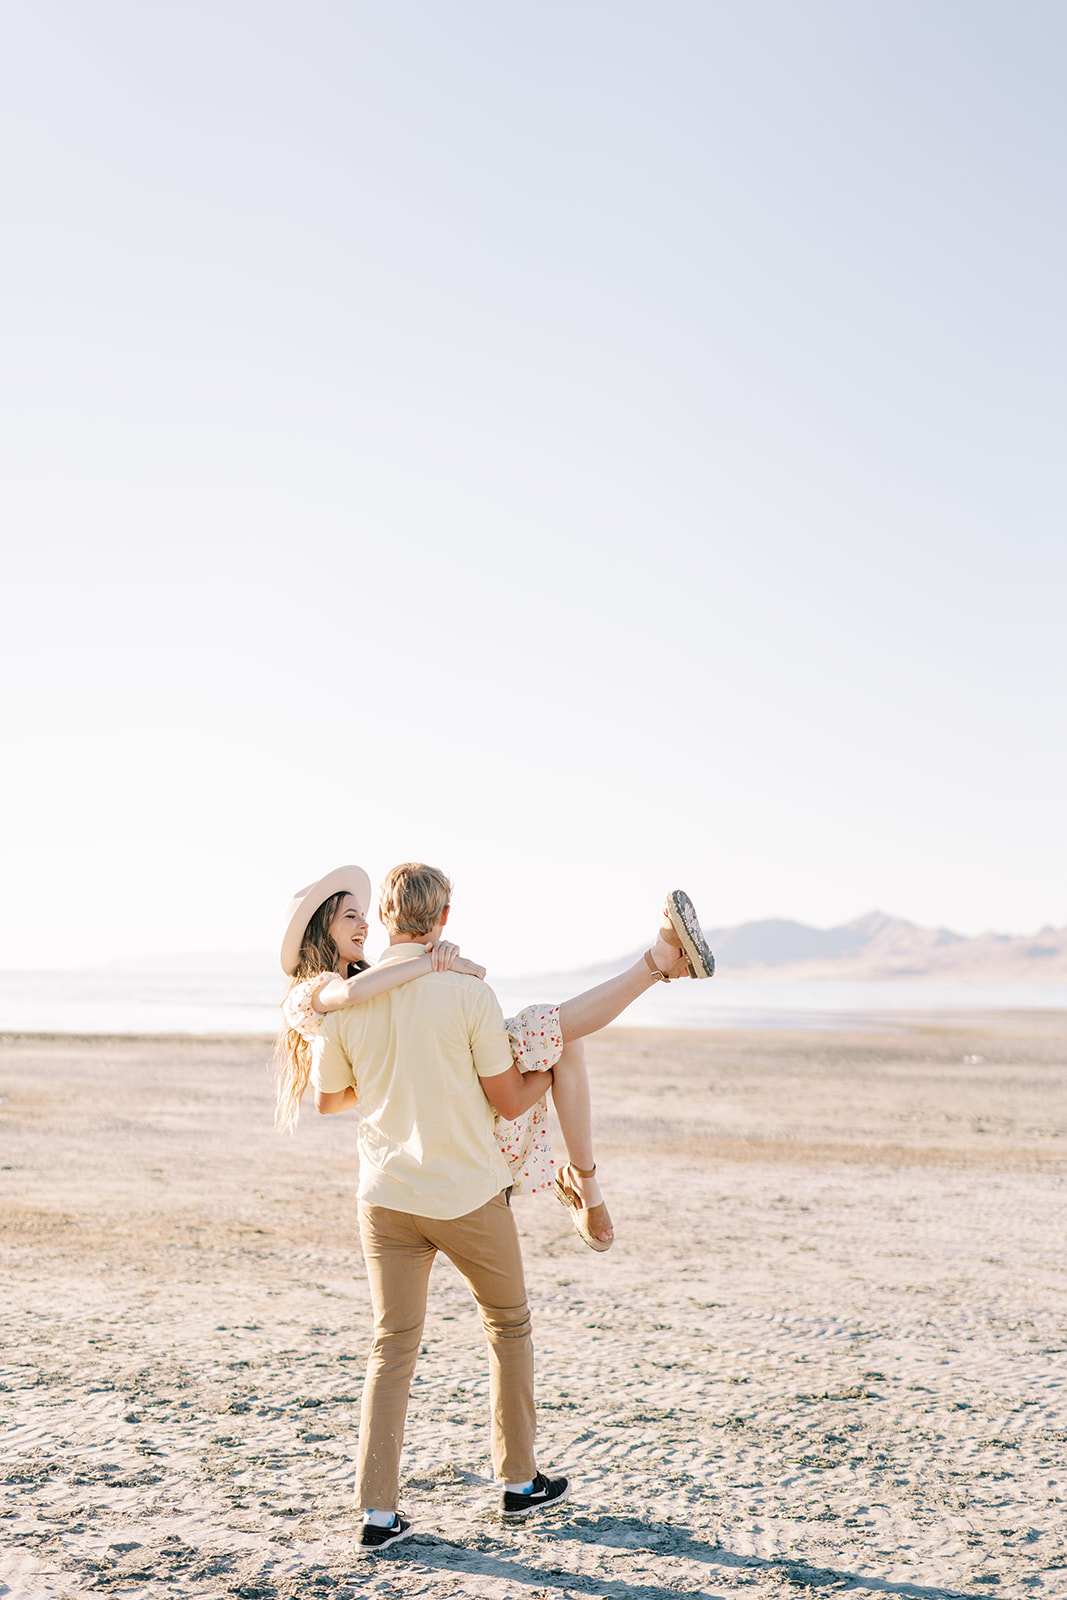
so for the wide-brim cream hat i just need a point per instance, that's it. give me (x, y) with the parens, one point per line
(305, 902)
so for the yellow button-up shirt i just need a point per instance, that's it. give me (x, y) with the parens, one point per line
(414, 1056)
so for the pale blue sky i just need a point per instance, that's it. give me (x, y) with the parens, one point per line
(592, 446)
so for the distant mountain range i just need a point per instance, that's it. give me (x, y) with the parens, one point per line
(880, 946)
(871, 946)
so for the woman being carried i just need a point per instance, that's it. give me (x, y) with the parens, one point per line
(322, 954)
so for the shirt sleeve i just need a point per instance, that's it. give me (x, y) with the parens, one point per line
(298, 1008)
(490, 1046)
(331, 1069)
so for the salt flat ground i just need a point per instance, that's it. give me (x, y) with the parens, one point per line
(827, 1351)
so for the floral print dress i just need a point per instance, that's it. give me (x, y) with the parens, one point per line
(536, 1045)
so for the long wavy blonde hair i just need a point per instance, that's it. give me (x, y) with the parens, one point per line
(292, 1053)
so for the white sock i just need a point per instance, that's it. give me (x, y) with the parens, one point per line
(519, 1488)
(379, 1519)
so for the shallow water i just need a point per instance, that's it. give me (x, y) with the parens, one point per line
(237, 999)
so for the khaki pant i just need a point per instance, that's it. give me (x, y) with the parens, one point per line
(399, 1251)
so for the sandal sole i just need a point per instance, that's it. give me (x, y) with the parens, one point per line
(684, 921)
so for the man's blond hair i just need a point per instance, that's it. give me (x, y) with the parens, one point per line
(412, 898)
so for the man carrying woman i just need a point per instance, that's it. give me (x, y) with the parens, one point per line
(429, 1061)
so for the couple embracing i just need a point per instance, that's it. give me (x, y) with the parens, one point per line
(452, 1125)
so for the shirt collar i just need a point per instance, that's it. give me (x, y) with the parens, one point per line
(401, 952)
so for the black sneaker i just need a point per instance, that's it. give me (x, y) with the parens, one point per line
(545, 1492)
(372, 1538)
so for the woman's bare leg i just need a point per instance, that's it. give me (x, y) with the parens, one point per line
(597, 1007)
(570, 1096)
(570, 1087)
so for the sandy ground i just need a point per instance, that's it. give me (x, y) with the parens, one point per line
(827, 1351)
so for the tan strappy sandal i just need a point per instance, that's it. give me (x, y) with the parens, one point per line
(682, 916)
(582, 1216)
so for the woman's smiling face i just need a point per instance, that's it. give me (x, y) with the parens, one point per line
(348, 930)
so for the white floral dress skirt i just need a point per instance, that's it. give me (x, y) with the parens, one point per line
(536, 1045)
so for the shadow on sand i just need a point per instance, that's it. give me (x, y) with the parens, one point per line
(487, 1558)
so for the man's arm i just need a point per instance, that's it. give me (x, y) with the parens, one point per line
(512, 1092)
(509, 1091)
(338, 1100)
(332, 1077)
